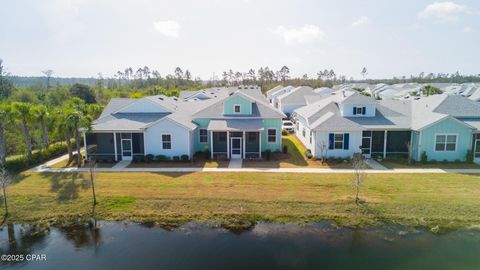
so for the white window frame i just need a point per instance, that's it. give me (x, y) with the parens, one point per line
(200, 136)
(239, 108)
(311, 136)
(268, 141)
(304, 132)
(335, 141)
(445, 146)
(171, 144)
(357, 109)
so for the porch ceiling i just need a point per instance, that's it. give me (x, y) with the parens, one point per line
(236, 125)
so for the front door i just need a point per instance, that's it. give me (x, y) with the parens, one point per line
(367, 144)
(236, 148)
(127, 149)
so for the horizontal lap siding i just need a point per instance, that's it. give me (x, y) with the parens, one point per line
(464, 140)
(197, 146)
(180, 139)
(277, 125)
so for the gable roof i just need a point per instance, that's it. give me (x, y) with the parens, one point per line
(260, 108)
(458, 106)
(296, 96)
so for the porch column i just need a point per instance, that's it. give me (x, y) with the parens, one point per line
(85, 145)
(211, 144)
(243, 152)
(260, 144)
(385, 144)
(115, 144)
(228, 144)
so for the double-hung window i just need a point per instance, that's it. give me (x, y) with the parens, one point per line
(303, 132)
(272, 135)
(311, 136)
(203, 136)
(338, 141)
(236, 108)
(166, 141)
(445, 142)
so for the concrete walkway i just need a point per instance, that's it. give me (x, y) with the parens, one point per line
(235, 164)
(375, 164)
(122, 164)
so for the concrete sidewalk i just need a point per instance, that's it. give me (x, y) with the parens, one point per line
(256, 170)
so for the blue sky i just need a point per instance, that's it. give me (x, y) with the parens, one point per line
(391, 38)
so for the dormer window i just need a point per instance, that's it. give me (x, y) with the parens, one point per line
(359, 110)
(236, 108)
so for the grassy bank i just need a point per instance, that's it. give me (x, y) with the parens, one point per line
(447, 200)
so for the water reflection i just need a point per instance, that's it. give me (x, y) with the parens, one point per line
(123, 245)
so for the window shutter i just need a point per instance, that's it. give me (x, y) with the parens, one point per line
(330, 140)
(354, 110)
(346, 139)
(364, 110)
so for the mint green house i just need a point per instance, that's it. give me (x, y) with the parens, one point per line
(238, 126)
(232, 123)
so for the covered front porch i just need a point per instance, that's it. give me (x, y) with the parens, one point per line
(235, 138)
(383, 143)
(114, 146)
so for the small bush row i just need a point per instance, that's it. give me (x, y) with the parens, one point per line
(150, 158)
(23, 162)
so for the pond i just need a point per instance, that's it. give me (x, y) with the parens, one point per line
(121, 245)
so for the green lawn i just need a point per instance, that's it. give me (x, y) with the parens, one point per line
(447, 200)
(403, 164)
(294, 158)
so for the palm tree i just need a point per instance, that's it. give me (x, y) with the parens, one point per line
(40, 113)
(23, 112)
(77, 120)
(5, 118)
(63, 128)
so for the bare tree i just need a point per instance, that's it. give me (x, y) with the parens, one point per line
(323, 146)
(92, 165)
(359, 166)
(5, 180)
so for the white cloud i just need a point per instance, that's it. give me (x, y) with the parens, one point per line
(361, 21)
(301, 35)
(168, 28)
(468, 29)
(445, 11)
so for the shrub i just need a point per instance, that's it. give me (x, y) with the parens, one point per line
(184, 158)
(139, 158)
(433, 161)
(149, 158)
(284, 132)
(161, 158)
(268, 154)
(308, 153)
(23, 162)
(331, 159)
(176, 158)
(206, 154)
(285, 149)
(423, 157)
(469, 156)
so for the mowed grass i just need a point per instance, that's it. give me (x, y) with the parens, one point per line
(295, 158)
(403, 164)
(446, 200)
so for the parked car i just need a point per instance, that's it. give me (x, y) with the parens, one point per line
(287, 125)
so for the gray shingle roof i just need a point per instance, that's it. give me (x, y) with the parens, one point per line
(236, 125)
(296, 96)
(458, 106)
(126, 121)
